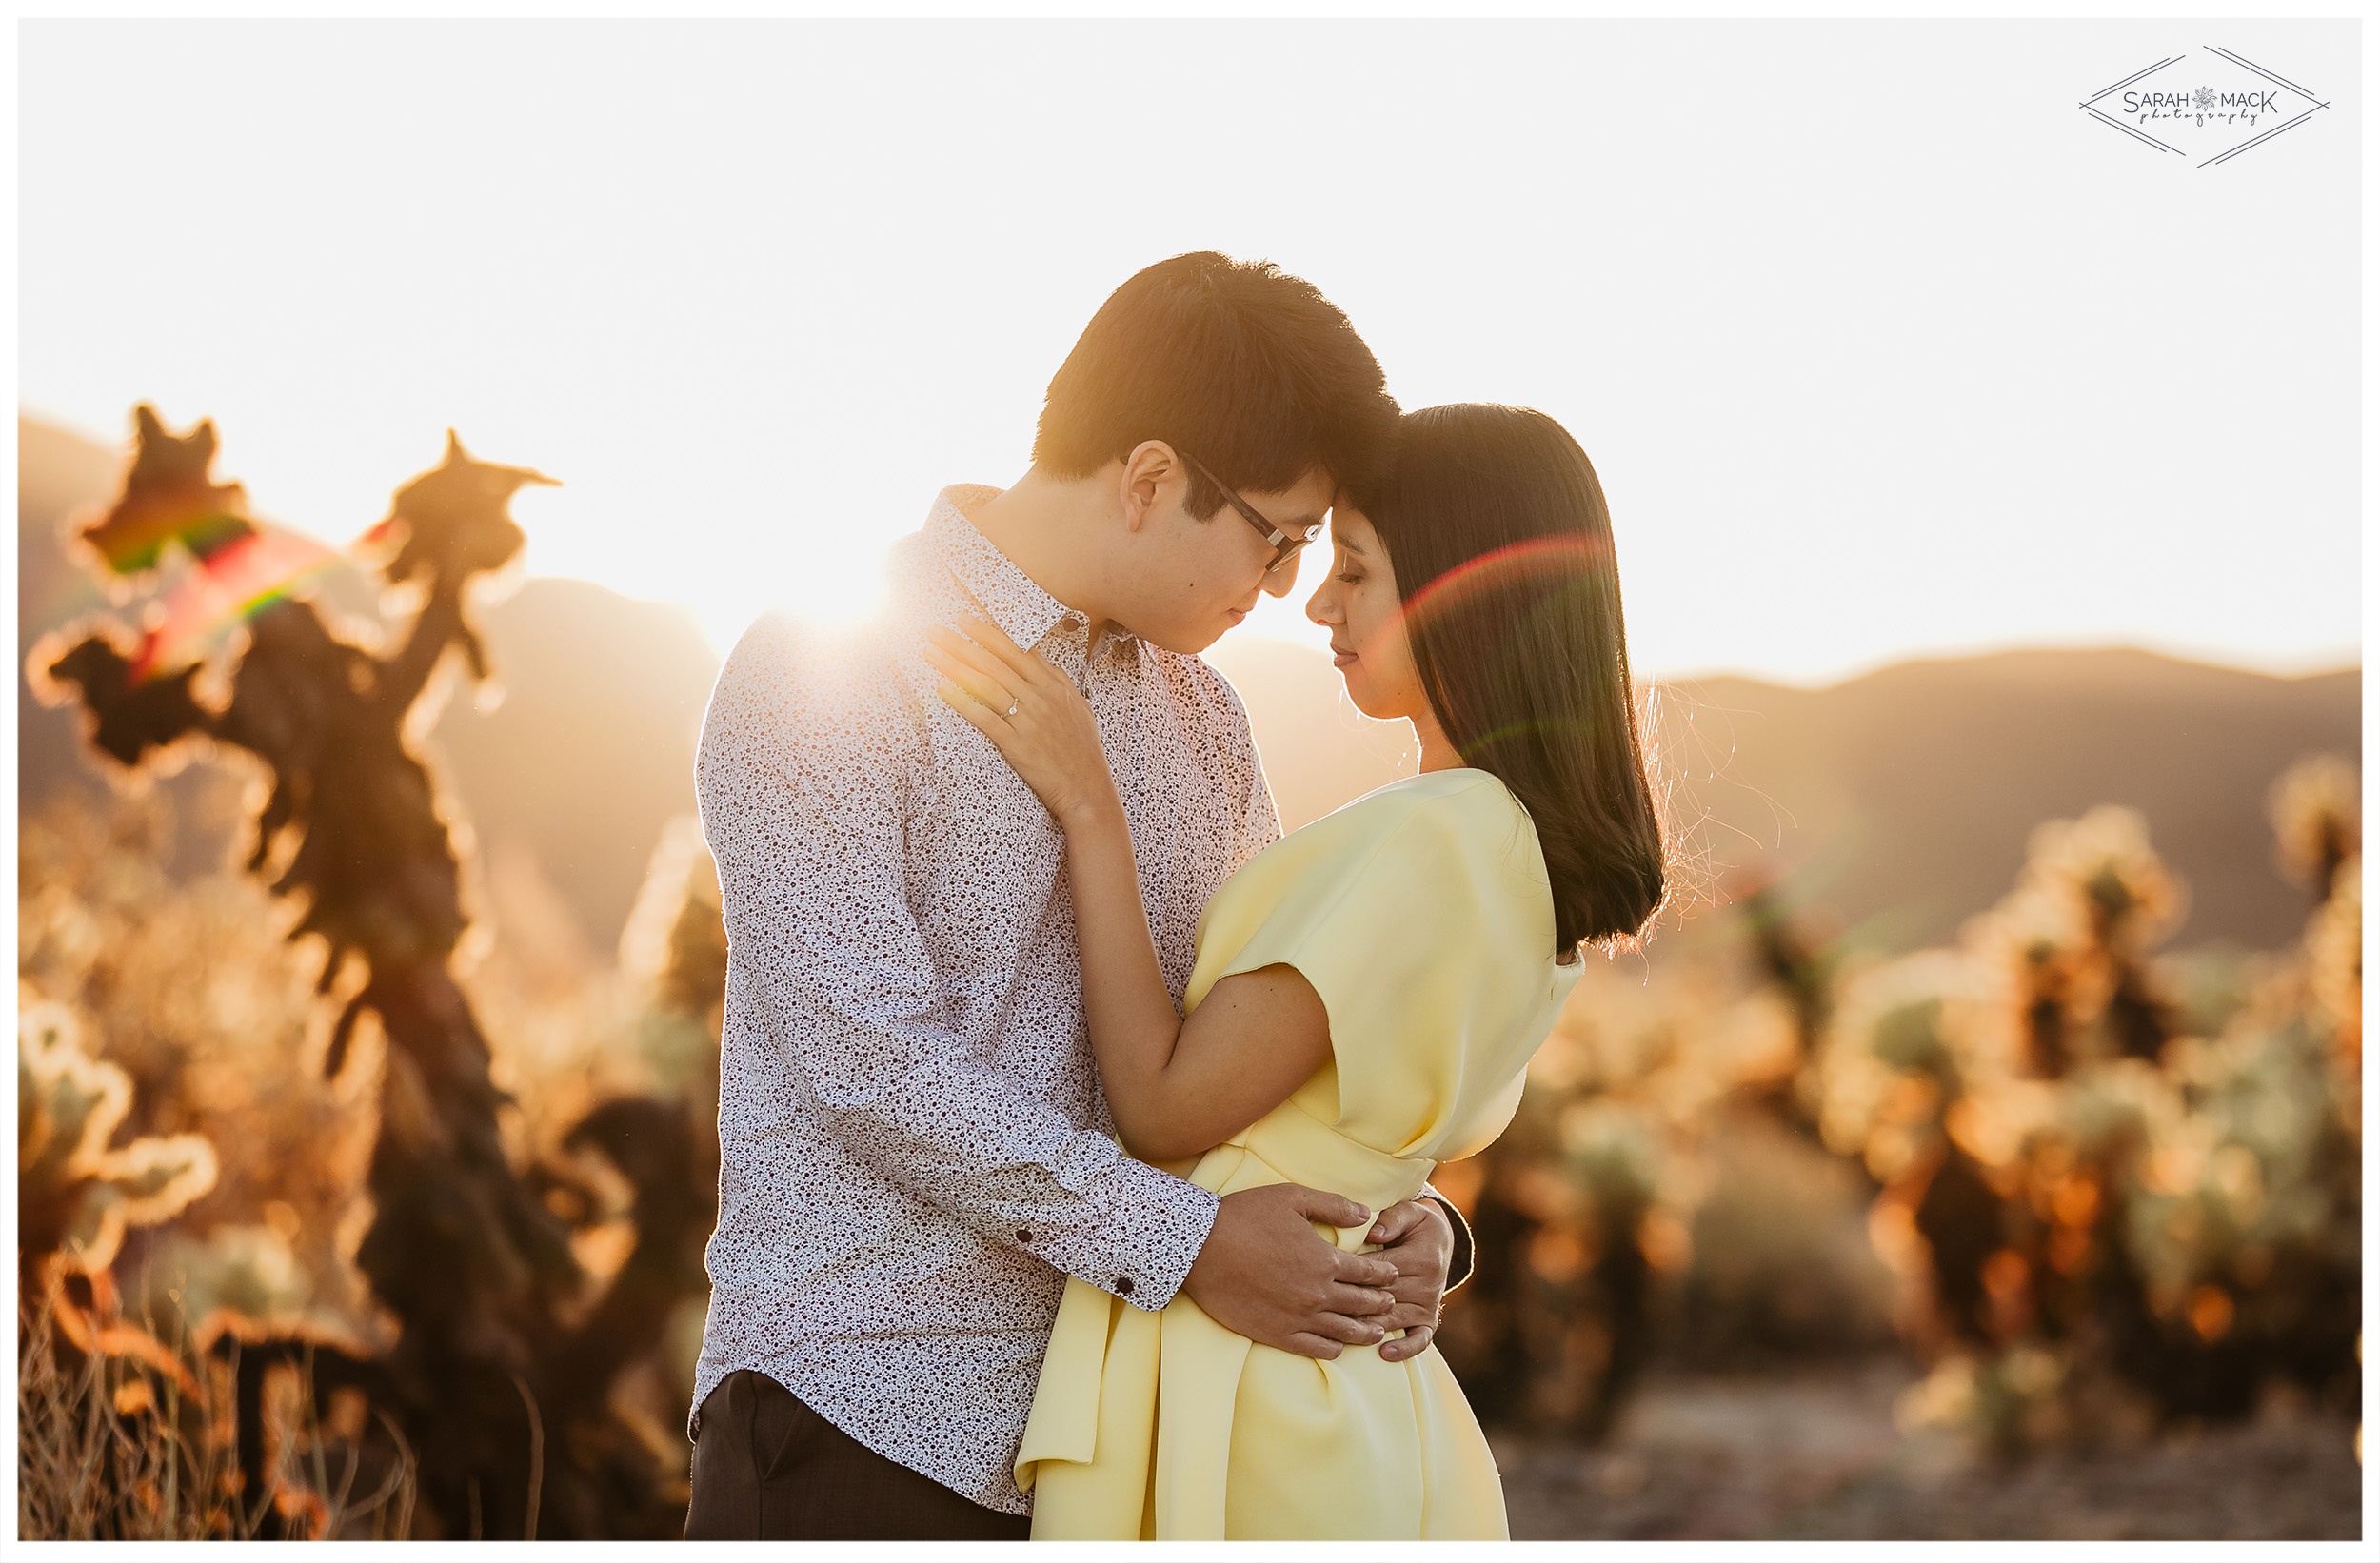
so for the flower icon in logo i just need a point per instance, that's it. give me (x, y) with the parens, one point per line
(2203, 98)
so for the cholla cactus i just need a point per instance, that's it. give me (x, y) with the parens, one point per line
(1584, 1208)
(76, 1192)
(1905, 1087)
(675, 939)
(2082, 1202)
(2335, 977)
(1890, 1060)
(505, 1402)
(2106, 1192)
(2069, 946)
(169, 497)
(2316, 809)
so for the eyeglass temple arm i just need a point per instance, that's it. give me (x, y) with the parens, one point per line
(1273, 534)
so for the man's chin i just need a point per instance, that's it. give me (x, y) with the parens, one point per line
(1185, 642)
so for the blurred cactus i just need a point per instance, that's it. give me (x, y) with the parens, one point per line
(675, 945)
(503, 1399)
(2334, 982)
(2106, 1187)
(212, 1014)
(2088, 1208)
(169, 497)
(2316, 809)
(1799, 966)
(1550, 1332)
(1656, 1189)
(75, 1192)
(83, 1371)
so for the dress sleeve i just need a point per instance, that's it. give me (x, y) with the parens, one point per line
(1411, 917)
(803, 792)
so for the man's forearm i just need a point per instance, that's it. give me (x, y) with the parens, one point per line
(1006, 1163)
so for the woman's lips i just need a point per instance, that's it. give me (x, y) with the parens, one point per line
(1342, 658)
(1237, 615)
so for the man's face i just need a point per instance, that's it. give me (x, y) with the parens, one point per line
(1200, 578)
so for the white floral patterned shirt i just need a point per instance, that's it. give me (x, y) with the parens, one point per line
(913, 1151)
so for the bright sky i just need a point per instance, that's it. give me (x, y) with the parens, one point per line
(1881, 346)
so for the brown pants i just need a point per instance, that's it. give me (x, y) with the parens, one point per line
(767, 1468)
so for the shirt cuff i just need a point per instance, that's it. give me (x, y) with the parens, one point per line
(1168, 1220)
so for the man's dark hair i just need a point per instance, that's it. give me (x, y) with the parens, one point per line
(1502, 545)
(1236, 363)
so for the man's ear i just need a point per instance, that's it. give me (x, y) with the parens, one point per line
(1149, 473)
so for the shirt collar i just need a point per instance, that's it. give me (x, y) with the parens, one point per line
(1023, 611)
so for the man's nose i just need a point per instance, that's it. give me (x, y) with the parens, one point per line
(1280, 583)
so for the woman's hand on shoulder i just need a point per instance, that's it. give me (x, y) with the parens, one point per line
(1032, 713)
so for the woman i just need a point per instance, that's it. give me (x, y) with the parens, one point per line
(1368, 990)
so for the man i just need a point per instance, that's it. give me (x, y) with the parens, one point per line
(913, 1145)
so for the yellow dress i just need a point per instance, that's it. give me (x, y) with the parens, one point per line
(1422, 917)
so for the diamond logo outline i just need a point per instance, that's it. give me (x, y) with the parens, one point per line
(2201, 96)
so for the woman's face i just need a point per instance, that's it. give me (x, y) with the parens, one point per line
(1358, 603)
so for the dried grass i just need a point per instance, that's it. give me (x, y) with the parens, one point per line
(112, 1447)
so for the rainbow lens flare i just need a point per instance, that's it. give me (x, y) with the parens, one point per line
(1544, 561)
(236, 579)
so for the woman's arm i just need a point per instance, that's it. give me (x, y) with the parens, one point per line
(1175, 1088)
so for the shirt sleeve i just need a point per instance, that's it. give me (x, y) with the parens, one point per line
(802, 782)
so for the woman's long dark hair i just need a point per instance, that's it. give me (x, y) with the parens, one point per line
(1496, 528)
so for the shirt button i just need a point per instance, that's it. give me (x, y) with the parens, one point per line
(1123, 1286)
(1022, 1235)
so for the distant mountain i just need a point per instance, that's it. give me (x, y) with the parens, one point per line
(591, 751)
(1900, 804)
(1895, 804)
(58, 475)
(1903, 800)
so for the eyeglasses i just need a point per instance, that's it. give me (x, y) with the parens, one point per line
(1286, 545)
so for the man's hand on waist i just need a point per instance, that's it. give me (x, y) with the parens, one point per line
(1267, 1273)
(1420, 1240)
